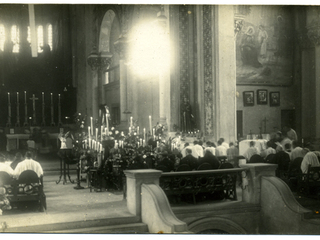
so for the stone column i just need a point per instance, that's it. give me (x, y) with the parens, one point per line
(120, 47)
(225, 73)
(134, 180)
(314, 36)
(164, 76)
(105, 62)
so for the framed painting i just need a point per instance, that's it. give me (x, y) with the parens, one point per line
(274, 99)
(264, 46)
(262, 96)
(248, 98)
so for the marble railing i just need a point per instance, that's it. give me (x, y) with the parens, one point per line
(222, 181)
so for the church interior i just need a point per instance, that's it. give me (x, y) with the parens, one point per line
(139, 89)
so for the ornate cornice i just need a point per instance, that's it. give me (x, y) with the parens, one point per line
(238, 23)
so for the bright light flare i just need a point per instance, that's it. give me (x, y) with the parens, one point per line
(149, 51)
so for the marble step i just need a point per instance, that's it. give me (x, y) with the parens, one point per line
(106, 225)
(130, 228)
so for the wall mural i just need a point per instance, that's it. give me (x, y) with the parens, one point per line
(264, 46)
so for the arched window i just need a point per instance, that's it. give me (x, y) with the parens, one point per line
(2, 37)
(109, 33)
(40, 38)
(15, 38)
(49, 35)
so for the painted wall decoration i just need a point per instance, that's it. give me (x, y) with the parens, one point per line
(265, 46)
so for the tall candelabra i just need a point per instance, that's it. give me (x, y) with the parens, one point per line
(59, 112)
(18, 112)
(9, 112)
(43, 123)
(52, 112)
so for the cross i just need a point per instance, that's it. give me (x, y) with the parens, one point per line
(34, 108)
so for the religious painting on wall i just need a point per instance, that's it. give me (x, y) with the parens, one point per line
(264, 45)
(262, 96)
(248, 98)
(274, 99)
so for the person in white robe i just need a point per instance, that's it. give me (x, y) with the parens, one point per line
(252, 150)
(309, 159)
(28, 164)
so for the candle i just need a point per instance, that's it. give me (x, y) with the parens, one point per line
(153, 132)
(91, 124)
(8, 98)
(144, 142)
(101, 131)
(158, 144)
(42, 97)
(131, 121)
(129, 130)
(17, 97)
(51, 99)
(141, 141)
(144, 133)
(25, 97)
(89, 131)
(97, 134)
(138, 130)
(59, 97)
(150, 124)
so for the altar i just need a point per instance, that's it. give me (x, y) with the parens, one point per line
(14, 140)
(260, 144)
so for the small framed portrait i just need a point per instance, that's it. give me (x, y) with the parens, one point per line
(274, 99)
(262, 96)
(248, 98)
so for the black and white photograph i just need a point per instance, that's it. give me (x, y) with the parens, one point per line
(184, 119)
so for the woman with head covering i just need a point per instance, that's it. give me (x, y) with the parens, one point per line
(309, 159)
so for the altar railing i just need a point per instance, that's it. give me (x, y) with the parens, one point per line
(222, 181)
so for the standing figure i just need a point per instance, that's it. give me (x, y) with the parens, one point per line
(262, 39)
(187, 118)
(249, 54)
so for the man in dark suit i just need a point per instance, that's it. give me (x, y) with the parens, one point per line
(166, 161)
(189, 160)
(211, 159)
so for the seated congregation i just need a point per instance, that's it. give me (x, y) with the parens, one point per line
(21, 183)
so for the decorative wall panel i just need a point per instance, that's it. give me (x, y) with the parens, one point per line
(184, 55)
(208, 73)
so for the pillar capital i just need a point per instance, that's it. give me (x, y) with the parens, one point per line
(99, 60)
